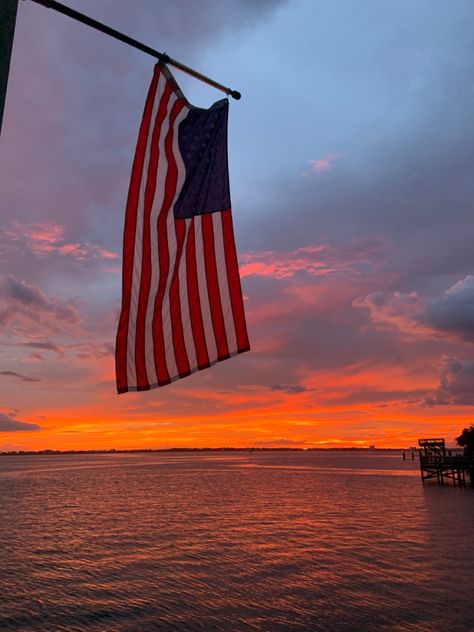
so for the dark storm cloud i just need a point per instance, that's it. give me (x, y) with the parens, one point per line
(450, 314)
(22, 303)
(9, 424)
(454, 311)
(456, 384)
(32, 296)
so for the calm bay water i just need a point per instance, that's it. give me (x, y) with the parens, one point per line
(232, 541)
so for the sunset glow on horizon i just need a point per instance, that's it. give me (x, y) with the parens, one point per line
(352, 199)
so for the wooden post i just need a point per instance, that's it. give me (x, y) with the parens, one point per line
(8, 9)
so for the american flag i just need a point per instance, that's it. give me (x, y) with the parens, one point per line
(182, 307)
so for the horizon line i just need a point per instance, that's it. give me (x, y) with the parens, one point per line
(206, 449)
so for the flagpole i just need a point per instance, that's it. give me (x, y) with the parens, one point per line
(103, 28)
(8, 10)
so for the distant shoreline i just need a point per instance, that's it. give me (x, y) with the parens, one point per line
(224, 449)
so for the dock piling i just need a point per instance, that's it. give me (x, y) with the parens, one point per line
(436, 462)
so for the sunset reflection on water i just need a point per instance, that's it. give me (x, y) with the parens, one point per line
(232, 541)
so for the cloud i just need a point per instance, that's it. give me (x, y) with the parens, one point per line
(20, 376)
(453, 312)
(46, 345)
(456, 386)
(8, 423)
(81, 350)
(314, 260)
(290, 389)
(26, 311)
(46, 239)
(396, 311)
(450, 315)
(93, 350)
(322, 165)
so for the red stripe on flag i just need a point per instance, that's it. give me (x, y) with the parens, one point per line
(164, 256)
(182, 361)
(145, 279)
(129, 237)
(233, 279)
(213, 286)
(194, 301)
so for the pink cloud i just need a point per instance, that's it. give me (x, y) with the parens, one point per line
(86, 251)
(322, 165)
(46, 238)
(315, 260)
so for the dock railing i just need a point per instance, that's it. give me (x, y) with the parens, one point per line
(437, 462)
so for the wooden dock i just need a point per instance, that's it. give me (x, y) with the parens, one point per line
(437, 462)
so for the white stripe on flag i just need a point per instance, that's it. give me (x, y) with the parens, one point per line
(203, 295)
(155, 265)
(223, 283)
(137, 256)
(184, 300)
(172, 248)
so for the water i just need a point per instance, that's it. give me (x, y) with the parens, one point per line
(232, 541)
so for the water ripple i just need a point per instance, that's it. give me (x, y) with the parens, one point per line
(257, 541)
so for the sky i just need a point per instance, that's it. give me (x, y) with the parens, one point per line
(351, 160)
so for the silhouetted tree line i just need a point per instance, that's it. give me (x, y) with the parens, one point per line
(466, 440)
